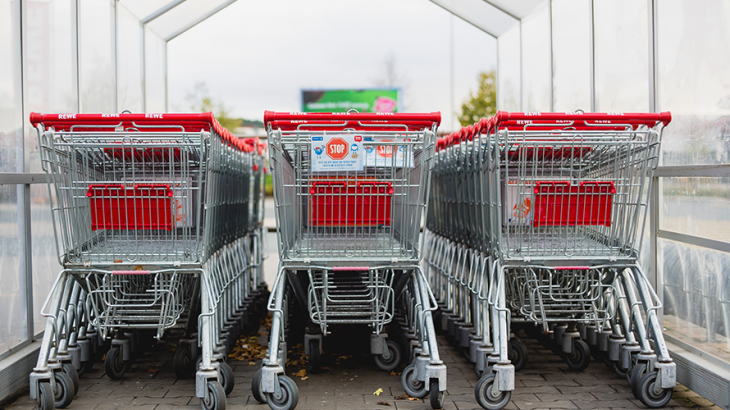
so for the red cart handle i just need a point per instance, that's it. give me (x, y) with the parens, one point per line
(649, 119)
(434, 117)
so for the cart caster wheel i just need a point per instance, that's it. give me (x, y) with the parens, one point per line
(476, 371)
(620, 371)
(435, 395)
(256, 387)
(183, 362)
(394, 359)
(70, 370)
(580, 358)
(226, 377)
(216, 397)
(65, 392)
(412, 386)
(315, 358)
(635, 377)
(483, 394)
(288, 396)
(597, 354)
(86, 367)
(45, 399)
(648, 396)
(517, 354)
(114, 365)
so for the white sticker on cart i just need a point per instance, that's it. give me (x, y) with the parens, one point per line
(390, 154)
(337, 153)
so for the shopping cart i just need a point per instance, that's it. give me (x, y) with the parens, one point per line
(350, 189)
(153, 221)
(562, 206)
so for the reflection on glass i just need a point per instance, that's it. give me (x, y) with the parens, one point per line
(697, 296)
(129, 61)
(571, 55)
(508, 74)
(697, 206)
(10, 101)
(693, 56)
(45, 255)
(96, 30)
(13, 328)
(155, 55)
(536, 61)
(622, 55)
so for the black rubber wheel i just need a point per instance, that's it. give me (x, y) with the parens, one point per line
(618, 369)
(648, 396)
(436, 396)
(216, 399)
(412, 386)
(86, 367)
(226, 378)
(114, 364)
(45, 398)
(183, 362)
(70, 370)
(483, 394)
(635, 377)
(64, 393)
(315, 358)
(393, 361)
(256, 387)
(288, 396)
(580, 358)
(517, 354)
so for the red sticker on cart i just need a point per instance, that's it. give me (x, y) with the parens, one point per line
(336, 153)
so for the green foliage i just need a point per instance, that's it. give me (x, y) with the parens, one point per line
(200, 101)
(483, 104)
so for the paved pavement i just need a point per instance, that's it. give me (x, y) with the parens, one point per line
(352, 378)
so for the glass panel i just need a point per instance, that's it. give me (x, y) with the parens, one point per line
(693, 56)
(508, 74)
(697, 296)
(13, 326)
(481, 14)
(10, 99)
(50, 75)
(536, 61)
(571, 55)
(155, 72)
(622, 56)
(697, 206)
(129, 62)
(45, 256)
(96, 40)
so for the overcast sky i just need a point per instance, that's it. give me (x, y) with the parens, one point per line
(258, 55)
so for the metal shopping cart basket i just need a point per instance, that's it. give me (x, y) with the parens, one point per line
(350, 189)
(152, 220)
(569, 195)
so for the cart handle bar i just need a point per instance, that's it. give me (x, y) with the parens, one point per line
(191, 122)
(395, 118)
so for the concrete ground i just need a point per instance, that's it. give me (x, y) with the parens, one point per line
(351, 379)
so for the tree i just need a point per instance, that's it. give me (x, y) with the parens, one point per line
(199, 100)
(483, 104)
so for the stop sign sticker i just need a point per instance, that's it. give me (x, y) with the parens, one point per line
(337, 148)
(385, 151)
(341, 152)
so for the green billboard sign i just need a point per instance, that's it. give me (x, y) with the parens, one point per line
(370, 100)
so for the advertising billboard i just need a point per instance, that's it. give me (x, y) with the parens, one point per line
(366, 100)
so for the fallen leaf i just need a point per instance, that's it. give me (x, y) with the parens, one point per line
(305, 378)
(323, 368)
(153, 370)
(300, 373)
(251, 363)
(392, 373)
(412, 399)
(378, 392)
(383, 403)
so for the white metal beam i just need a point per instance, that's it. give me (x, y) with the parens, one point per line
(443, 4)
(162, 10)
(199, 20)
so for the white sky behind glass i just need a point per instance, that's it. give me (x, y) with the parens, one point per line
(257, 55)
